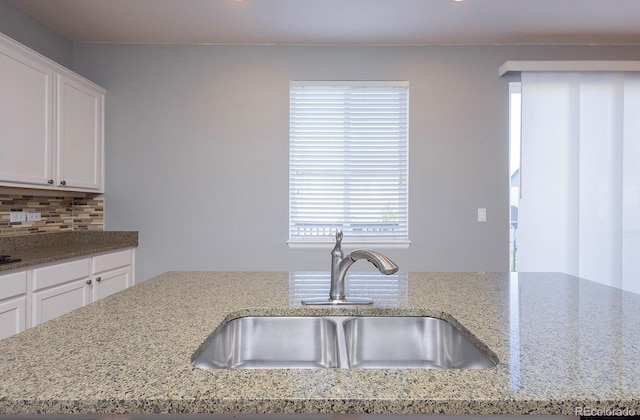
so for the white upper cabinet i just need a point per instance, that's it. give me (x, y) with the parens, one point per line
(79, 134)
(51, 124)
(26, 119)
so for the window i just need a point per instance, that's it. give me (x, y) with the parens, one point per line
(348, 162)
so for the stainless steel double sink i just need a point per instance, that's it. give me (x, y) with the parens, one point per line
(349, 342)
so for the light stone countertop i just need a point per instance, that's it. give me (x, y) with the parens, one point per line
(41, 248)
(562, 344)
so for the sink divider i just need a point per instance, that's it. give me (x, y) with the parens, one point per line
(343, 358)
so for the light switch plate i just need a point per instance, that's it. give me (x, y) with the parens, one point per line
(482, 215)
(33, 217)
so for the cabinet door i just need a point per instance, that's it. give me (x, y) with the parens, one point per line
(13, 303)
(12, 316)
(110, 282)
(59, 288)
(79, 135)
(51, 303)
(26, 120)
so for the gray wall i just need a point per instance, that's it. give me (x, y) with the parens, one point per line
(197, 144)
(197, 148)
(28, 31)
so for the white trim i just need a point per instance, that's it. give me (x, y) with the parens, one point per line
(518, 66)
(45, 193)
(325, 244)
(34, 55)
(359, 83)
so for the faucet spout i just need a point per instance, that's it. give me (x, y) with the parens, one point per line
(381, 262)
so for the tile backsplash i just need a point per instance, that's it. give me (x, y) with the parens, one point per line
(58, 213)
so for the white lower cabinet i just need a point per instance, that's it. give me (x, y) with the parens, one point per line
(59, 288)
(12, 316)
(51, 303)
(112, 273)
(31, 297)
(13, 303)
(111, 282)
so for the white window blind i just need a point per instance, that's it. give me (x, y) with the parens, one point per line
(579, 211)
(348, 156)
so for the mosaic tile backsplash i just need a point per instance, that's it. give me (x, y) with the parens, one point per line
(58, 214)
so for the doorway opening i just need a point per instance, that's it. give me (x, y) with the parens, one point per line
(515, 118)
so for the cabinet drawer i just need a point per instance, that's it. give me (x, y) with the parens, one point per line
(60, 273)
(13, 284)
(111, 261)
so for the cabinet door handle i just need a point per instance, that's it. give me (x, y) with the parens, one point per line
(50, 181)
(88, 281)
(63, 182)
(98, 278)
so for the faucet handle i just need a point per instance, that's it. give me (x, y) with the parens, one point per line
(336, 252)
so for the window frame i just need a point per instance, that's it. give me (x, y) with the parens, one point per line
(383, 241)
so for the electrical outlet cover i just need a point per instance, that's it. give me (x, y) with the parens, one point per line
(33, 217)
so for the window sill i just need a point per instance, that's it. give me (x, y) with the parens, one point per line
(328, 243)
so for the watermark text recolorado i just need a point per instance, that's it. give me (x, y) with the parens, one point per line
(609, 412)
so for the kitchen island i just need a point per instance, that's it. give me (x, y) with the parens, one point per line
(565, 346)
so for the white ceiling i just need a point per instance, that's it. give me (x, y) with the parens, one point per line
(338, 22)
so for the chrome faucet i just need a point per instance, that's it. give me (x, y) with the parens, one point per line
(339, 267)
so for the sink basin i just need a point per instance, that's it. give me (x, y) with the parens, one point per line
(350, 342)
(272, 343)
(410, 342)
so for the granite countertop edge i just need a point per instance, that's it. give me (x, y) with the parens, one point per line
(43, 248)
(308, 406)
